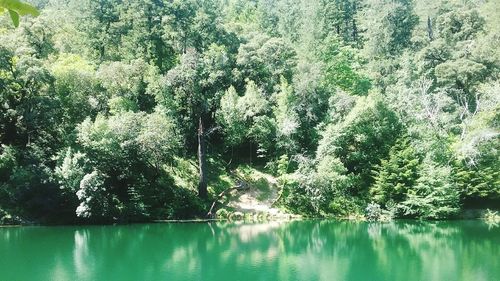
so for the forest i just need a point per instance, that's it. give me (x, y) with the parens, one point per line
(140, 110)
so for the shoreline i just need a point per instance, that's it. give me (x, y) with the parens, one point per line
(244, 221)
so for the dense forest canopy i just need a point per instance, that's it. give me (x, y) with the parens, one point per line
(386, 104)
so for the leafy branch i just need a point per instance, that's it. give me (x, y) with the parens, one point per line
(16, 8)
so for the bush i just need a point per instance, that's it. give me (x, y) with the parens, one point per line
(237, 216)
(343, 206)
(296, 199)
(373, 212)
(8, 219)
(491, 217)
(222, 214)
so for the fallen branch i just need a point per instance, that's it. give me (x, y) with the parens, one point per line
(241, 186)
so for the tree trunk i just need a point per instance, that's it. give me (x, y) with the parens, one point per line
(202, 185)
(354, 32)
(429, 29)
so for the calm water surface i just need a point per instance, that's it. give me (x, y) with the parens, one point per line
(300, 250)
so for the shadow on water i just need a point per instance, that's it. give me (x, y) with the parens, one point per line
(298, 250)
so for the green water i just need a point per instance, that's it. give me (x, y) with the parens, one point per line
(300, 250)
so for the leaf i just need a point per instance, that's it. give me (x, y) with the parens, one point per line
(15, 18)
(18, 7)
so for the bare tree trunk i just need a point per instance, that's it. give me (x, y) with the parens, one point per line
(429, 29)
(354, 26)
(202, 186)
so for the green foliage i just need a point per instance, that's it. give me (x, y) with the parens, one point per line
(396, 174)
(222, 213)
(127, 152)
(315, 190)
(479, 181)
(478, 175)
(491, 217)
(362, 139)
(458, 24)
(104, 105)
(435, 195)
(340, 18)
(231, 117)
(7, 162)
(389, 26)
(287, 119)
(373, 212)
(296, 199)
(264, 60)
(17, 8)
(345, 206)
(246, 118)
(282, 165)
(262, 132)
(71, 170)
(342, 68)
(95, 201)
(478, 150)
(77, 88)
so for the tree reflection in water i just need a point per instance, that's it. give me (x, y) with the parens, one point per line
(298, 250)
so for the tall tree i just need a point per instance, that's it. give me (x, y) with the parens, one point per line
(145, 35)
(193, 93)
(100, 22)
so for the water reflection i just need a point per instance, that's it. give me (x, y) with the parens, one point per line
(301, 250)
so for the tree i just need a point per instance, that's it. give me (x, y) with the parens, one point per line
(101, 25)
(231, 118)
(78, 91)
(95, 201)
(340, 18)
(193, 94)
(124, 175)
(388, 25)
(362, 139)
(180, 20)
(287, 120)
(341, 68)
(264, 60)
(435, 196)
(104, 104)
(145, 33)
(396, 174)
(319, 187)
(477, 152)
(128, 84)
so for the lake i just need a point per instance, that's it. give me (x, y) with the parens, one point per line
(296, 250)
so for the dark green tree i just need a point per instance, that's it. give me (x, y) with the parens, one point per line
(362, 139)
(396, 174)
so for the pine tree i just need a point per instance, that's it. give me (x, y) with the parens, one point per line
(396, 174)
(435, 196)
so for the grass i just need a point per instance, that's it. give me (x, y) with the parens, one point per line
(185, 173)
(257, 179)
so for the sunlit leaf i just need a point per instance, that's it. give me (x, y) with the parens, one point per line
(16, 9)
(15, 18)
(19, 7)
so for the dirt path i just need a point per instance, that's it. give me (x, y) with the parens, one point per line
(258, 198)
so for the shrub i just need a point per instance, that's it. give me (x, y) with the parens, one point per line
(373, 212)
(222, 214)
